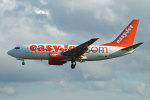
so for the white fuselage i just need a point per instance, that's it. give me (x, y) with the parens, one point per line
(41, 52)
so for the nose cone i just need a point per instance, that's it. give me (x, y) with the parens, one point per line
(10, 52)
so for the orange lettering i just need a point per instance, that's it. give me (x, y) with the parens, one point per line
(88, 51)
(33, 47)
(48, 48)
(62, 49)
(94, 51)
(56, 48)
(41, 48)
(66, 47)
(103, 48)
(71, 47)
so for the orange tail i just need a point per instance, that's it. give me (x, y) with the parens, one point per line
(126, 38)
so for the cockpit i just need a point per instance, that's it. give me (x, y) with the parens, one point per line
(17, 48)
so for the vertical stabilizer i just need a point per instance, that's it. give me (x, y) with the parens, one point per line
(126, 38)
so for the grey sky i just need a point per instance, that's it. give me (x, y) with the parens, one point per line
(73, 22)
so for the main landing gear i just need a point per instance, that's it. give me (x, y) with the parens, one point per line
(73, 64)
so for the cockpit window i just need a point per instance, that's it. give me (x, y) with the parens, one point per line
(17, 48)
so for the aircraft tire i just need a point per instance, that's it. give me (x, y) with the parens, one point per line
(72, 66)
(23, 63)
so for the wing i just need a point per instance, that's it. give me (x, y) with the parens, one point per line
(80, 49)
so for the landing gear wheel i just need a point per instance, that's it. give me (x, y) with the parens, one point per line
(73, 64)
(23, 63)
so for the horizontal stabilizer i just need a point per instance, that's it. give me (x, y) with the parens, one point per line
(132, 47)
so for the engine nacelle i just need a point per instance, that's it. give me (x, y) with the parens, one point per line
(56, 58)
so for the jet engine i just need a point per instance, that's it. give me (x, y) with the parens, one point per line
(56, 58)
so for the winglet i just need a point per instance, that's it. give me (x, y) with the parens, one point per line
(94, 38)
(126, 38)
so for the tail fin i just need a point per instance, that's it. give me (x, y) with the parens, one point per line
(126, 38)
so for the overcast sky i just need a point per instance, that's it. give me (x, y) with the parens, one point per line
(73, 22)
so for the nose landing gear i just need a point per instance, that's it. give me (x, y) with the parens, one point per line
(23, 63)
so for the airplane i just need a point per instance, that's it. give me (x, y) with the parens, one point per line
(59, 54)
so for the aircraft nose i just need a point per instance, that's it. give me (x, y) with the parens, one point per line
(10, 52)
